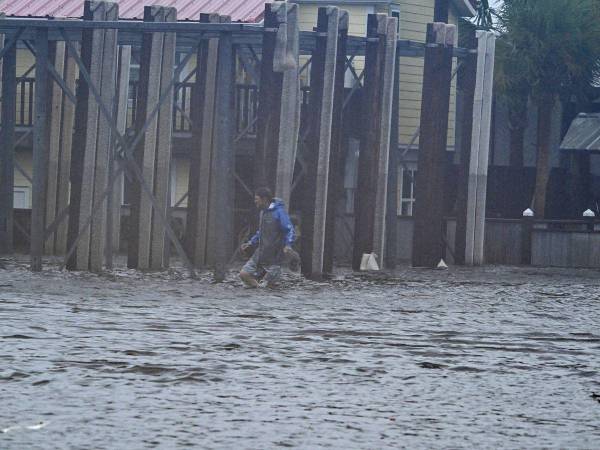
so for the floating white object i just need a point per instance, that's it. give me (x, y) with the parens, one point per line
(442, 265)
(589, 213)
(528, 213)
(369, 262)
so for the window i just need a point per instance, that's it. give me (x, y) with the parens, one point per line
(406, 191)
(21, 197)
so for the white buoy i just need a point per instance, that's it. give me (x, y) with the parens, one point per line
(528, 213)
(589, 213)
(442, 265)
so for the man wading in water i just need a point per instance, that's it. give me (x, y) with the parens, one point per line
(274, 238)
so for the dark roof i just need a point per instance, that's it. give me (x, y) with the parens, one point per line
(583, 134)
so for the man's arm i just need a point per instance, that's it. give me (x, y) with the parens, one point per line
(288, 228)
(254, 239)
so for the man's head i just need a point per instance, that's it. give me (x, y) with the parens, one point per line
(263, 197)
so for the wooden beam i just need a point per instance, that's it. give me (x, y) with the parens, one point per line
(40, 149)
(335, 189)
(162, 164)
(7, 149)
(140, 228)
(104, 142)
(83, 157)
(428, 244)
(57, 59)
(66, 144)
(203, 117)
(318, 148)
(465, 96)
(222, 181)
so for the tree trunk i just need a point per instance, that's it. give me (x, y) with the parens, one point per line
(544, 127)
(517, 201)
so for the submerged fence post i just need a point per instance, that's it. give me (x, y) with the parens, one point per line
(526, 240)
(428, 246)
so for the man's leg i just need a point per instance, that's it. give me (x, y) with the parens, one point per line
(272, 276)
(249, 273)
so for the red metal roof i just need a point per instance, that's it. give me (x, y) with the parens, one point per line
(239, 10)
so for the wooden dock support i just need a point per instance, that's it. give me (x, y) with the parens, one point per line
(371, 195)
(480, 149)
(222, 181)
(91, 141)
(64, 163)
(318, 149)
(428, 244)
(40, 149)
(279, 100)
(151, 153)
(7, 148)
(335, 189)
(203, 117)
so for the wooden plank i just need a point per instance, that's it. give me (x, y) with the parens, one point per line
(83, 157)
(57, 59)
(140, 227)
(104, 143)
(40, 148)
(162, 175)
(7, 149)
(389, 32)
(335, 190)
(428, 246)
(64, 165)
(366, 193)
(222, 192)
(203, 117)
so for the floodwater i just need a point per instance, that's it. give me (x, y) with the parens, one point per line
(484, 358)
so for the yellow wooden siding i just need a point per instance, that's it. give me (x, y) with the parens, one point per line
(182, 170)
(24, 160)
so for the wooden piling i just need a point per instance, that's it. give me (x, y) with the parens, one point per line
(428, 223)
(318, 148)
(222, 189)
(7, 150)
(104, 142)
(40, 149)
(464, 130)
(203, 117)
(83, 157)
(269, 104)
(64, 164)
(140, 222)
(371, 194)
(162, 174)
(57, 59)
(335, 188)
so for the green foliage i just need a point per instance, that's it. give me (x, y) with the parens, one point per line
(547, 47)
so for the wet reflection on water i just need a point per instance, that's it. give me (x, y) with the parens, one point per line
(492, 357)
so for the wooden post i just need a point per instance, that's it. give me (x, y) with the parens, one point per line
(83, 157)
(162, 175)
(7, 149)
(57, 59)
(116, 199)
(391, 225)
(428, 244)
(269, 104)
(480, 148)
(390, 34)
(140, 223)
(336, 170)
(222, 198)
(66, 143)
(286, 61)
(317, 153)
(203, 116)
(370, 200)
(104, 142)
(464, 125)
(40, 149)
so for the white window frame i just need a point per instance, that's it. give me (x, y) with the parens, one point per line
(405, 198)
